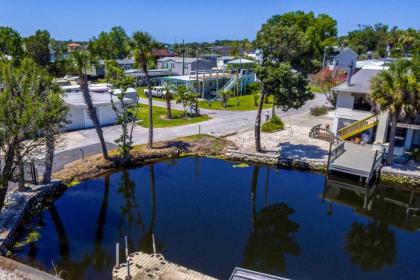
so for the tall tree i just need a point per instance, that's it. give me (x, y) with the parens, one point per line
(143, 44)
(26, 103)
(298, 38)
(10, 43)
(111, 45)
(37, 46)
(80, 62)
(288, 88)
(397, 91)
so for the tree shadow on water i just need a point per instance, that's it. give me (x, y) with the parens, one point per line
(272, 235)
(371, 246)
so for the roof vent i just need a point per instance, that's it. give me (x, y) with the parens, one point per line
(350, 73)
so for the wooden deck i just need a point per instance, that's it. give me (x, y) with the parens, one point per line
(155, 267)
(359, 160)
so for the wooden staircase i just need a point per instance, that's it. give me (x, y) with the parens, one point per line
(358, 127)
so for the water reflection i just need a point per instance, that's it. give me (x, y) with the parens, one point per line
(64, 245)
(371, 246)
(146, 243)
(131, 219)
(395, 206)
(268, 221)
(100, 258)
(272, 235)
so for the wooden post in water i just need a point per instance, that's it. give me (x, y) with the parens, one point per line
(126, 256)
(117, 254)
(329, 158)
(154, 244)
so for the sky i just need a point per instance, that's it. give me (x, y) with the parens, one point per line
(195, 21)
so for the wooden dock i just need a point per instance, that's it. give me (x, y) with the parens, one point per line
(155, 267)
(359, 160)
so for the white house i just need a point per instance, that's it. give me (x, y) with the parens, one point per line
(355, 121)
(183, 66)
(78, 116)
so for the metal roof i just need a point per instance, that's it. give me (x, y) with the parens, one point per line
(244, 274)
(178, 59)
(241, 61)
(360, 82)
(226, 57)
(75, 99)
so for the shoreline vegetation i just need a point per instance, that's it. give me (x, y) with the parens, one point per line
(196, 145)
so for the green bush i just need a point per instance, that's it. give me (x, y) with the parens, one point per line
(319, 110)
(275, 124)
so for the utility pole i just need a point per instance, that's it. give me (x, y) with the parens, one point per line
(196, 78)
(183, 57)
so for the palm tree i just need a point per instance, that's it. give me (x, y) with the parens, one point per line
(143, 43)
(82, 61)
(168, 90)
(396, 90)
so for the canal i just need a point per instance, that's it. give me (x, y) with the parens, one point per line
(211, 216)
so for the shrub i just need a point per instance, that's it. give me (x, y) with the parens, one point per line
(319, 110)
(275, 124)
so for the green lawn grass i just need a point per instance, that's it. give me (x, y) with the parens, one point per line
(246, 103)
(159, 119)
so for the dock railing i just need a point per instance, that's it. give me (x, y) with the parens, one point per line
(375, 165)
(335, 153)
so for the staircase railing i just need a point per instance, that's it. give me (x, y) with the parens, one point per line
(317, 132)
(358, 127)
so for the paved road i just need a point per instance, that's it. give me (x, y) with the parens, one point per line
(222, 123)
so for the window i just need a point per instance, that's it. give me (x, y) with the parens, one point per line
(172, 65)
(360, 103)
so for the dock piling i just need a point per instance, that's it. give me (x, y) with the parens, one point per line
(117, 254)
(128, 261)
(154, 244)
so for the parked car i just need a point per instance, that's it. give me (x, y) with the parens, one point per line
(156, 92)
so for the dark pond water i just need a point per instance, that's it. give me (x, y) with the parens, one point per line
(211, 217)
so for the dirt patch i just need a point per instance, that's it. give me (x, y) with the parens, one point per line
(93, 166)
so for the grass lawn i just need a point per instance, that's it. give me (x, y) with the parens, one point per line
(246, 103)
(159, 117)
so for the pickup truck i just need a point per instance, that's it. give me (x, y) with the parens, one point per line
(156, 92)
